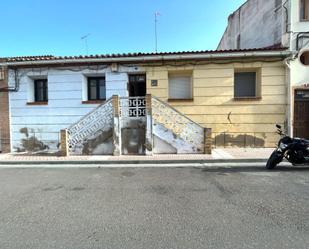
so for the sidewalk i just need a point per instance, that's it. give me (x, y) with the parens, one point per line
(222, 155)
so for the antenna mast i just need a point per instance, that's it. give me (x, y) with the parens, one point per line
(85, 38)
(156, 34)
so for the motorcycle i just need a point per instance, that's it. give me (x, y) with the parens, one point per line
(294, 150)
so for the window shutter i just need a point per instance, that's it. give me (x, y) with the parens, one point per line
(245, 84)
(180, 87)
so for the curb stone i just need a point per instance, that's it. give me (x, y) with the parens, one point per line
(130, 162)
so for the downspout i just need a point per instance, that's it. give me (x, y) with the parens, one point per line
(289, 97)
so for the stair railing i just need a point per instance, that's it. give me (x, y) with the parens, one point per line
(181, 125)
(100, 119)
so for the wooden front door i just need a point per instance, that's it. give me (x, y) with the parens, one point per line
(301, 114)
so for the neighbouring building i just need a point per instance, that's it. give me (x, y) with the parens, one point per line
(147, 103)
(262, 23)
(4, 111)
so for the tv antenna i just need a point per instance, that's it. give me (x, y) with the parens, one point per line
(85, 38)
(156, 33)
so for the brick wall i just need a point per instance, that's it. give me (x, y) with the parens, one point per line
(4, 114)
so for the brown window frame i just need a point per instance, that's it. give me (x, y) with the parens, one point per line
(97, 97)
(257, 95)
(44, 88)
(303, 15)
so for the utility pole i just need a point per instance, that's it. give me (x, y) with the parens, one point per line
(156, 34)
(85, 38)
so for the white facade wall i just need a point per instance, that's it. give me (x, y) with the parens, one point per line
(299, 73)
(67, 88)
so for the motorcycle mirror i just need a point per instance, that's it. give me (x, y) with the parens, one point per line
(278, 126)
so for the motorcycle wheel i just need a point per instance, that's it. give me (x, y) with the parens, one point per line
(273, 160)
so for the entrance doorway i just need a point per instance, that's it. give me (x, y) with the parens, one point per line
(133, 118)
(137, 93)
(137, 85)
(301, 114)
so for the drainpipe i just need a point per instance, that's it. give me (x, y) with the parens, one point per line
(289, 97)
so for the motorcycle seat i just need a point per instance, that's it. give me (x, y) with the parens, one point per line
(302, 140)
(306, 141)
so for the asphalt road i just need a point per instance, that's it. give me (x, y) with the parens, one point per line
(242, 207)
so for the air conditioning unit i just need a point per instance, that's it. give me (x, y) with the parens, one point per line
(114, 67)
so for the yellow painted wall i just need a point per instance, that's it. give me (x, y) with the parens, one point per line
(213, 92)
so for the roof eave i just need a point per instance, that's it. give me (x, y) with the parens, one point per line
(146, 58)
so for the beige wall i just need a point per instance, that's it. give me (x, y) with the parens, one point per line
(251, 122)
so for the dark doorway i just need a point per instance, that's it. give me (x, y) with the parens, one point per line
(301, 114)
(137, 85)
(133, 133)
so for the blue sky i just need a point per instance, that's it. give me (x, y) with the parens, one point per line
(36, 27)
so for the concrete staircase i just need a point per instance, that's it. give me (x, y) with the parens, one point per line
(176, 130)
(162, 130)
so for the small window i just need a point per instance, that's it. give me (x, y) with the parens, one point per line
(245, 85)
(180, 87)
(304, 58)
(96, 88)
(40, 90)
(304, 10)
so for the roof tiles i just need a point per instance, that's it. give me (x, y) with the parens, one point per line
(139, 54)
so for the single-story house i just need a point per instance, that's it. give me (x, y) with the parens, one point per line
(183, 102)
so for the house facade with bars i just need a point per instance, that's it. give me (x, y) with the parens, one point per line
(142, 103)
